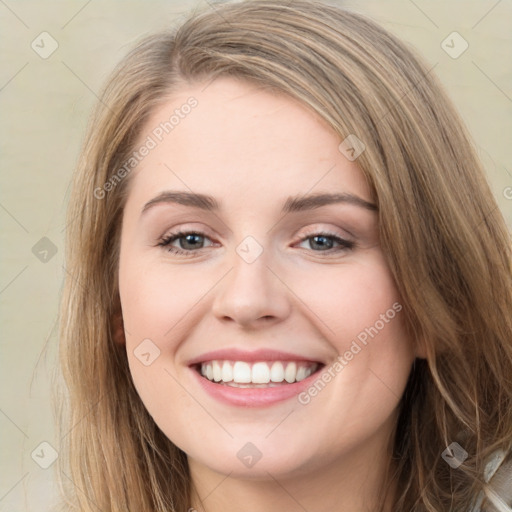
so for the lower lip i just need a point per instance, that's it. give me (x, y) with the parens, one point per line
(253, 397)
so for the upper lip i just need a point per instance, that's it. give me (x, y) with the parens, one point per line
(235, 354)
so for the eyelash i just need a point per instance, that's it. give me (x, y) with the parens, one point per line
(165, 242)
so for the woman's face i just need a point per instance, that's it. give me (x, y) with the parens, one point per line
(274, 282)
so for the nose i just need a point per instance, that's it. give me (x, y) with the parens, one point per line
(252, 294)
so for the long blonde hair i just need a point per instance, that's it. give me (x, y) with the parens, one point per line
(442, 233)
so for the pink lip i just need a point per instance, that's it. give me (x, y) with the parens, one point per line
(234, 354)
(250, 397)
(253, 397)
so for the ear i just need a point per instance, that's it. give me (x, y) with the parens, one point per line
(118, 327)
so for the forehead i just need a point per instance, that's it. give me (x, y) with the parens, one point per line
(240, 142)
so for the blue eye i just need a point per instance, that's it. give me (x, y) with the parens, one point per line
(191, 242)
(326, 242)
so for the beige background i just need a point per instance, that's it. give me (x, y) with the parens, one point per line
(45, 104)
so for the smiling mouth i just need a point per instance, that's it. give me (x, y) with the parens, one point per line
(261, 374)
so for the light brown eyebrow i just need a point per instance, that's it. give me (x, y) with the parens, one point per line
(292, 204)
(191, 199)
(309, 202)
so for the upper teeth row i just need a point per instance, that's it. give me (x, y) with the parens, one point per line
(257, 373)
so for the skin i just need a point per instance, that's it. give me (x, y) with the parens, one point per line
(251, 149)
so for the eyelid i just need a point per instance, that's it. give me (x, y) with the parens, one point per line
(343, 244)
(309, 231)
(188, 228)
(312, 231)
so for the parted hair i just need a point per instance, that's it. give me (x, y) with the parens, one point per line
(441, 231)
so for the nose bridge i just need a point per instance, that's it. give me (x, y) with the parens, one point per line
(251, 291)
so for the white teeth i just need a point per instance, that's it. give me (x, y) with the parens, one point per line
(277, 372)
(227, 372)
(241, 372)
(217, 371)
(260, 373)
(301, 374)
(290, 373)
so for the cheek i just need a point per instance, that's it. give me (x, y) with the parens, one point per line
(359, 313)
(155, 298)
(159, 303)
(155, 302)
(350, 299)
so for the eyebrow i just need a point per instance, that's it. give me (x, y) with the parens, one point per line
(292, 204)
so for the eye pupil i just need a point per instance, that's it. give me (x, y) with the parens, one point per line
(189, 239)
(322, 244)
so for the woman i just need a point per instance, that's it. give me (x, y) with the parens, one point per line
(216, 359)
